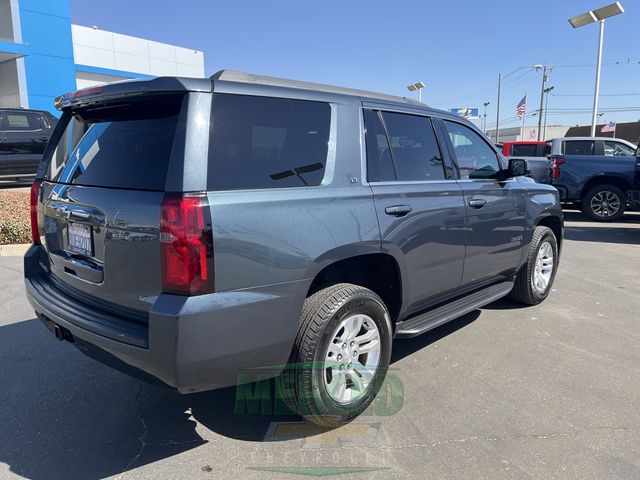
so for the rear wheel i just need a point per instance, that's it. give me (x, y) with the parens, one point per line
(604, 203)
(535, 279)
(340, 356)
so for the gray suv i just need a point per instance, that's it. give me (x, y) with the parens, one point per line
(192, 230)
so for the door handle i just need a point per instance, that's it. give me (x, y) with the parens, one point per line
(477, 203)
(398, 210)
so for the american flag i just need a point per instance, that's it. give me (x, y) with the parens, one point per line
(522, 107)
(609, 127)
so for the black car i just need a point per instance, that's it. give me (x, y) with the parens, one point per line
(24, 134)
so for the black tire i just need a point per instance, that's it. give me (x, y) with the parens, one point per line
(605, 196)
(302, 385)
(523, 289)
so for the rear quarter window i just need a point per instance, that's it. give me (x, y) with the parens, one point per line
(579, 147)
(265, 142)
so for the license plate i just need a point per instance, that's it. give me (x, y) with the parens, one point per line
(79, 239)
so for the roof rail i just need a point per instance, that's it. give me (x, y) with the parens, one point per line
(243, 77)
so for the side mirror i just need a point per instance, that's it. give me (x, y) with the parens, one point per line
(518, 167)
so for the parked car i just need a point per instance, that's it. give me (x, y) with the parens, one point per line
(23, 137)
(535, 153)
(190, 230)
(599, 176)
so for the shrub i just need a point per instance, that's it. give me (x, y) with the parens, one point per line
(15, 224)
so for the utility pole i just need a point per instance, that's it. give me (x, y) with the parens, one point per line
(544, 80)
(546, 105)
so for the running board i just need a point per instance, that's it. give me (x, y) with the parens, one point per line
(434, 318)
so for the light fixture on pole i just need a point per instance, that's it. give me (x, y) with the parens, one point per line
(500, 77)
(484, 123)
(417, 86)
(598, 15)
(546, 103)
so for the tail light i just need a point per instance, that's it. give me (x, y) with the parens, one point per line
(555, 170)
(186, 243)
(33, 203)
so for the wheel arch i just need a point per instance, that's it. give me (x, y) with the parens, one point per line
(379, 272)
(556, 225)
(605, 179)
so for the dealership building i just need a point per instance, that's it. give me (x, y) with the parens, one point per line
(42, 55)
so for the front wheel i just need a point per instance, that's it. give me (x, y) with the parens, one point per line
(604, 203)
(535, 278)
(340, 356)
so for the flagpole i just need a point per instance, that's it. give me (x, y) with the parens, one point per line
(524, 115)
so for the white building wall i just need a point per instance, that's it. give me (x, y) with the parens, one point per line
(9, 89)
(98, 48)
(514, 134)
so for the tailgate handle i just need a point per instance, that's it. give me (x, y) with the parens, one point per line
(83, 269)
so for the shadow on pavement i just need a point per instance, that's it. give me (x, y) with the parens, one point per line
(406, 347)
(67, 416)
(605, 234)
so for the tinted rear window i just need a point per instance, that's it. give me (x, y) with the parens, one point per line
(524, 150)
(579, 147)
(264, 142)
(120, 146)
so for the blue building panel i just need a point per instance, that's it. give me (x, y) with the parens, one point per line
(49, 66)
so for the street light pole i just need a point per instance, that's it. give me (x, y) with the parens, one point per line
(484, 123)
(598, 15)
(417, 86)
(596, 92)
(498, 110)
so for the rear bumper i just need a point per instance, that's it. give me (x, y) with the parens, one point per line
(190, 343)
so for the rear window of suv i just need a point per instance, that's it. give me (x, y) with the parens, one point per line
(265, 142)
(120, 146)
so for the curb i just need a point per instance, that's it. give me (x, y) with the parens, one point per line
(14, 250)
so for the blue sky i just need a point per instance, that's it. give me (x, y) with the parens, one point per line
(457, 47)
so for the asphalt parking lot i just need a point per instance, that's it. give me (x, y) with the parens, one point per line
(551, 391)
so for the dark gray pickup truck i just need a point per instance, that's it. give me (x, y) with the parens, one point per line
(601, 177)
(197, 232)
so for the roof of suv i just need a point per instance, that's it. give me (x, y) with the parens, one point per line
(621, 140)
(249, 78)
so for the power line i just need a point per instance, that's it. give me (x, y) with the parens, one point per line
(591, 94)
